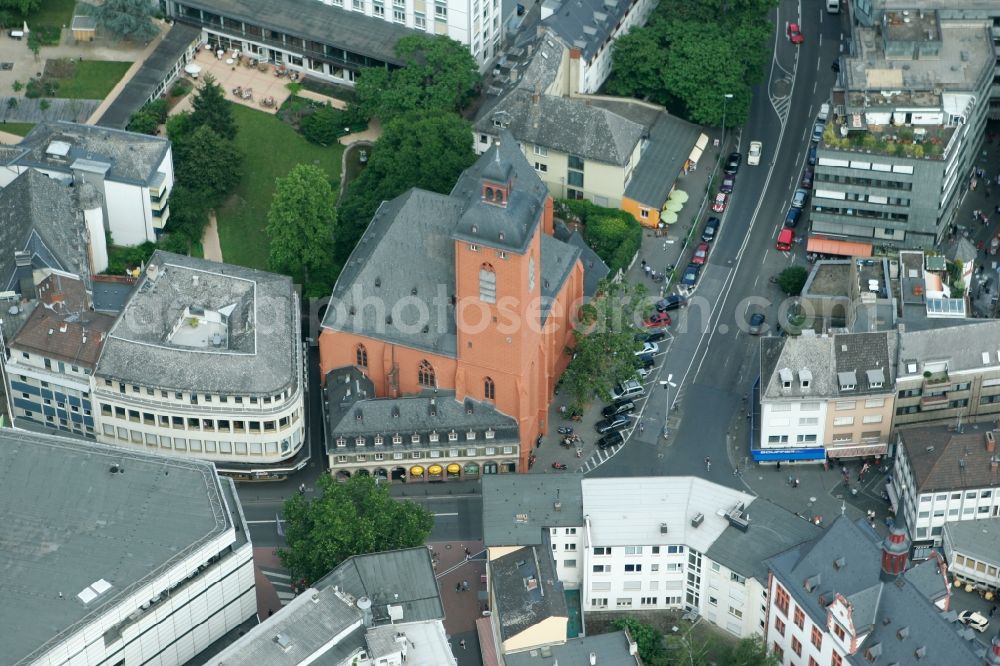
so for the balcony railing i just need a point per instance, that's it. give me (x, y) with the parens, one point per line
(934, 402)
(935, 378)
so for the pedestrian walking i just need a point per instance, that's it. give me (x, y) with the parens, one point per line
(993, 610)
(467, 552)
(643, 264)
(779, 465)
(462, 643)
(465, 585)
(458, 587)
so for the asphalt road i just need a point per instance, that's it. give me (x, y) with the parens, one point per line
(712, 359)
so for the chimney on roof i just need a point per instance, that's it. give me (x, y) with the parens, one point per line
(536, 95)
(991, 442)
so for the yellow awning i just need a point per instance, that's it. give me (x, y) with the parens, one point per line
(435, 470)
(416, 470)
(454, 468)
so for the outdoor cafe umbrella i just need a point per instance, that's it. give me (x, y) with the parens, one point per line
(668, 217)
(679, 195)
(674, 206)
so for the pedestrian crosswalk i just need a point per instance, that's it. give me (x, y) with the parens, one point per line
(282, 583)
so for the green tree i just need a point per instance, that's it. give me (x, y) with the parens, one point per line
(638, 64)
(438, 74)
(148, 119)
(793, 279)
(207, 163)
(188, 213)
(605, 343)
(127, 19)
(345, 519)
(438, 142)
(301, 223)
(750, 652)
(323, 126)
(211, 108)
(647, 638)
(20, 8)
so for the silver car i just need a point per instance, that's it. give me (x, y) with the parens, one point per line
(799, 198)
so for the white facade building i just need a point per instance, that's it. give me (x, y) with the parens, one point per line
(940, 476)
(206, 362)
(117, 585)
(134, 173)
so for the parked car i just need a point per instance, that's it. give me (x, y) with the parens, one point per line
(812, 155)
(613, 438)
(652, 336)
(807, 179)
(691, 273)
(644, 371)
(818, 132)
(719, 205)
(728, 183)
(648, 348)
(617, 422)
(657, 320)
(700, 255)
(756, 323)
(977, 621)
(795, 35)
(627, 389)
(671, 302)
(792, 217)
(645, 361)
(753, 155)
(618, 407)
(800, 198)
(733, 163)
(711, 229)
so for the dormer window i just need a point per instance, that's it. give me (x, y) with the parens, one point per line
(452, 436)
(490, 433)
(379, 440)
(471, 435)
(785, 375)
(415, 438)
(359, 441)
(805, 379)
(434, 437)
(496, 194)
(341, 442)
(848, 381)
(397, 439)
(876, 378)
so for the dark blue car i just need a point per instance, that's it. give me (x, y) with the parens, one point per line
(691, 273)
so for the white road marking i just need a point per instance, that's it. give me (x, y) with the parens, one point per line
(275, 574)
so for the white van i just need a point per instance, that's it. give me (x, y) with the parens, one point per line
(832, 6)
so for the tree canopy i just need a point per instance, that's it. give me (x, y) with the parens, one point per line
(605, 343)
(127, 19)
(438, 74)
(19, 7)
(612, 233)
(350, 518)
(655, 649)
(422, 149)
(793, 279)
(690, 55)
(210, 107)
(209, 163)
(301, 224)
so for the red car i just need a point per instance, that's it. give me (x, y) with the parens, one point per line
(721, 199)
(700, 254)
(795, 35)
(658, 320)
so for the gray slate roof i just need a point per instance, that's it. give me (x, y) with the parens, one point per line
(261, 355)
(505, 228)
(863, 356)
(670, 143)
(517, 607)
(773, 529)
(934, 453)
(536, 496)
(132, 158)
(39, 215)
(795, 353)
(887, 606)
(585, 24)
(558, 260)
(68, 523)
(151, 74)
(979, 539)
(594, 268)
(565, 124)
(398, 577)
(418, 230)
(611, 650)
(961, 345)
(316, 21)
(354, 412)
(868, 356)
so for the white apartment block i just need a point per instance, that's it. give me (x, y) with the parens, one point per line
(188, 577)
(206, 362)
(133, 172)
(650, 543)
(941, 476)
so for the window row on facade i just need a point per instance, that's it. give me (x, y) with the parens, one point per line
(398, 439)
(200, 446)
(200, 423)
(419, 455)
(193, 398)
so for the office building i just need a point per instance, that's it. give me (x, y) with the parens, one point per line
(206, 362)
(134, 173)
(910, 108)
(116, 556)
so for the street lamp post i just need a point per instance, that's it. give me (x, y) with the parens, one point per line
(666, 419)
(726, 97)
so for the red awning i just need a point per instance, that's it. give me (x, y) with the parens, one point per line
(487, 646)
(862, 451)
(821, 245)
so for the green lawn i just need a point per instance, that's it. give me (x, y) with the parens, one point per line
(93, 79)
(56, 13)
(20, 129)
(271, 148)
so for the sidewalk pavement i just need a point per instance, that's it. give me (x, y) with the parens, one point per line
(660, 252)
(461, 570)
